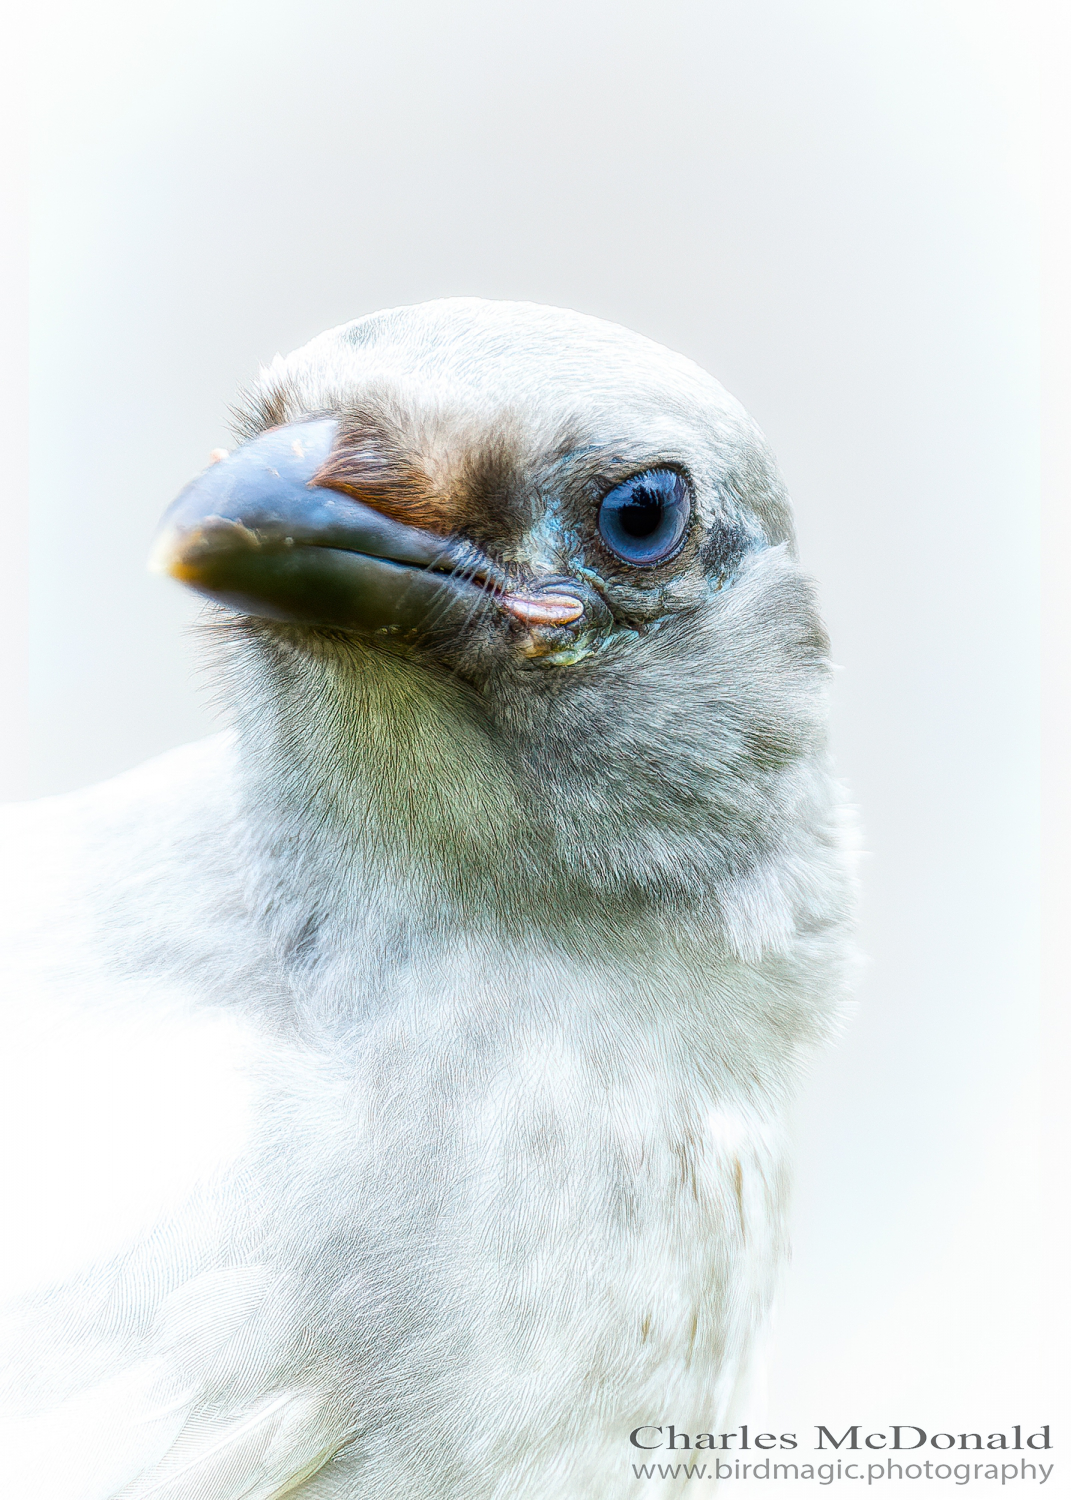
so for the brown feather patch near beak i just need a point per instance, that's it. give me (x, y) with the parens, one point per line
(369, 465)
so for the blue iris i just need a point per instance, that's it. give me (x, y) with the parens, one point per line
(644, 519)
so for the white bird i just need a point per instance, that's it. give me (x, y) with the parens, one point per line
(397, 1080)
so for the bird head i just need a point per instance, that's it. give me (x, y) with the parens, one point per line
(546, 568)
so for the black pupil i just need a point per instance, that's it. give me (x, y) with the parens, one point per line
(642, 515)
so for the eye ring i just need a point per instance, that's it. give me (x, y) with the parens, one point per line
(643, 520)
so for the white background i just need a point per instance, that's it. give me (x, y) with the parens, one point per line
(832, 206)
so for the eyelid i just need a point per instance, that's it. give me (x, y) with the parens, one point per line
(604, 482)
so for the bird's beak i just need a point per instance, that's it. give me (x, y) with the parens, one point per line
(254, 533)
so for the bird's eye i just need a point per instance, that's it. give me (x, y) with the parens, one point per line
(643, 520)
